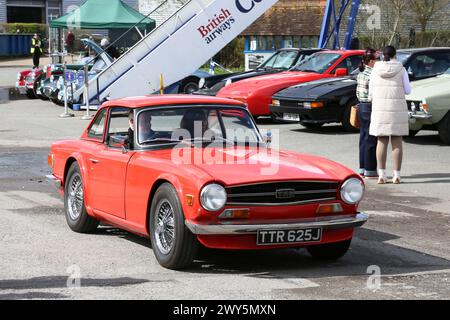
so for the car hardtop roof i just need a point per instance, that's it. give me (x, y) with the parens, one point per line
(169, 99)
(343, 51)
(416, 50)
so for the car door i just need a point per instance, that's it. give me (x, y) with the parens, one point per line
(108, 167)
(350, 63)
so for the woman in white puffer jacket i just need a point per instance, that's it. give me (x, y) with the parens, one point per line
(389, 83)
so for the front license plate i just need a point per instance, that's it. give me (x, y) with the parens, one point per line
(272, 237)
(291, 117)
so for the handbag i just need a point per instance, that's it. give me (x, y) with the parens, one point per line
(354, 117)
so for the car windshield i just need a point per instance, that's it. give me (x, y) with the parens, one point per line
(403, 57)
(318, 62)
(280, 60)
(204, 125)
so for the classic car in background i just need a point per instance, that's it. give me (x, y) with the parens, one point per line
(183, 203)
(257, 92)
(25, 82)
(20, 84)
(281, 60)
(330, 100)
(429, 106)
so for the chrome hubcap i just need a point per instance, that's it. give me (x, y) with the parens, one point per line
(75, 197)
(164, 227)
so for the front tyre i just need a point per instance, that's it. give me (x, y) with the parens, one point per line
(174, 245)
(76, 215)
(444, 129)
(330, 251)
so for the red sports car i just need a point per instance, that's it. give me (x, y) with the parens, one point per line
(257, 92)
(187, 171)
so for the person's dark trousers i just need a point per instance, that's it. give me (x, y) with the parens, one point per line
(36, 58)
(367, 143)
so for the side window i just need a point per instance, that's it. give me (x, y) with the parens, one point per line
(350, 63)
(119, 124)
(441, 64)
(97, 128)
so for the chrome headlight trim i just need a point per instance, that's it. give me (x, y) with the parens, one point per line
(352, 191)
(213, 197)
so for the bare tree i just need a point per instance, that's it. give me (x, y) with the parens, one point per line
(425, 10)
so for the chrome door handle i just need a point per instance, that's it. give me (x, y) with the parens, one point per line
(94, 160)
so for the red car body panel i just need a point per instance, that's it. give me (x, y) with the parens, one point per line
(257, 92)
(118, 189)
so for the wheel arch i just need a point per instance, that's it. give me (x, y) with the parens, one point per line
(160, 181)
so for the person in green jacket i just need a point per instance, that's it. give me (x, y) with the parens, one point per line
(36, 50)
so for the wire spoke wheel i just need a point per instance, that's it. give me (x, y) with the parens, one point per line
(165, 227)
(75, 197)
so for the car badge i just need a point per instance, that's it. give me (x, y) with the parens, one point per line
(285, 194)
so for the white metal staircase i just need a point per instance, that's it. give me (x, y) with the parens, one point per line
(176, 48)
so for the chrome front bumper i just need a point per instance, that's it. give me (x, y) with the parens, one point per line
(232, 228)
(421, 116)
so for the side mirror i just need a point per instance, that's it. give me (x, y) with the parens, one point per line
(119, 142)
(341, 72)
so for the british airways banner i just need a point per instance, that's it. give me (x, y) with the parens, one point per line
(178, 47)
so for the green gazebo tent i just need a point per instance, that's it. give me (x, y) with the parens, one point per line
(103, 14)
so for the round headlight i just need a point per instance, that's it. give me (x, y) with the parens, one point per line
(201, 83)
(352, 191)
(213, 197)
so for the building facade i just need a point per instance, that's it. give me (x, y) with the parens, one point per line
(288, 24)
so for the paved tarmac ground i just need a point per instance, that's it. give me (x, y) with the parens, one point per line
(407, 238)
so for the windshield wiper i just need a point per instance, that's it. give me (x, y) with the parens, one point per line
(306, 70)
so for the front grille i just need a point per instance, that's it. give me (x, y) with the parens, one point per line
(282, 193)
(291, 104)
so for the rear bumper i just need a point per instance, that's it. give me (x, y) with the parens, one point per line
(327, 223)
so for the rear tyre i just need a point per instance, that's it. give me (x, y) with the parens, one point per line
(189, 87)
(331, 251)
(76, 215)
(444, 129)
(346, 118)
(175, 247)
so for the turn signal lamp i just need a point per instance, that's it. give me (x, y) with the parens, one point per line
(313, 105)
(276, 103)
(235, 214)
(424, 106)
(329, 208)
(51, 160)
(190, 200)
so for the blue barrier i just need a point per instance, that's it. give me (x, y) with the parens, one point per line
(15, 44)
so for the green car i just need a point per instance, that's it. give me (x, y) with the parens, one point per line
(429, 106)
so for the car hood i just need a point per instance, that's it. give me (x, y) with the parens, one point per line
(317, 89)
(430, 87)
(246, 87)
(248, 165)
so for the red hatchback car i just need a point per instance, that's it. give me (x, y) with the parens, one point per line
(186, 171)
(257, 92)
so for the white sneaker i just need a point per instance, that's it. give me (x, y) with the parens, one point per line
(397, 180)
